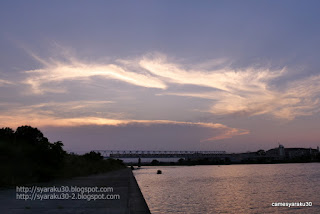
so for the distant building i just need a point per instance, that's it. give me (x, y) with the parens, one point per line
(279, 154)
(276, 153)
(300, 152)
(282, 153)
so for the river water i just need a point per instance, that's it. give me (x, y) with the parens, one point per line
(230, 188)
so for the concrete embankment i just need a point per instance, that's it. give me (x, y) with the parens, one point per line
(126, 194)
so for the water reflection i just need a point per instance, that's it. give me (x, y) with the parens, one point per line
(231, 188)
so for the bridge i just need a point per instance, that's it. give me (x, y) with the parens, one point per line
(159, 154)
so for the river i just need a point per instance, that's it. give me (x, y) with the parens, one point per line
(231, 188)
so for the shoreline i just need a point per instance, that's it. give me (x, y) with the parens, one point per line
(222, 164)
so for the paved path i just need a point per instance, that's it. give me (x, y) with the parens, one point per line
(123, 182)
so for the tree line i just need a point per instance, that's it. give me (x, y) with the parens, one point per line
(27, 156)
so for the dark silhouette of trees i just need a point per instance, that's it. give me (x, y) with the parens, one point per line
(26, 155)
(155, 162)
(93, 156)
(6, 134)
(30, 135)
(181, 161)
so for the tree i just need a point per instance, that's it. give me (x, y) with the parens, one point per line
(180, 161)
(30, 135)
(155, 162)
(94, 156)
(57, 154)
(6, 135)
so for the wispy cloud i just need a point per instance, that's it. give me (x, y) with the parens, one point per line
(45, 118)
(243, 92)
(5, 82)
(226, 79)
(16, 113)
(55, 71)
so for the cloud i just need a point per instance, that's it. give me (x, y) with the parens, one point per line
(55, 71)
(300, 98)
(44, 118)
(50, 111)
(226, 79)
(5, 82)
(242, 92)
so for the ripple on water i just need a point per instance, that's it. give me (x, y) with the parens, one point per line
(230, 189)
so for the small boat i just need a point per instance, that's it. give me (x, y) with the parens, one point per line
(159, 172)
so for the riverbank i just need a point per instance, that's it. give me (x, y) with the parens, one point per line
(203, 163)
(125, 197)
(216, 161)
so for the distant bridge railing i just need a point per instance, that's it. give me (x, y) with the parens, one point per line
(158, 154)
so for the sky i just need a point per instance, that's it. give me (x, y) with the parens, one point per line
(231, 76)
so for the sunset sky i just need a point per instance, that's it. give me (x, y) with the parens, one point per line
(163, 75)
